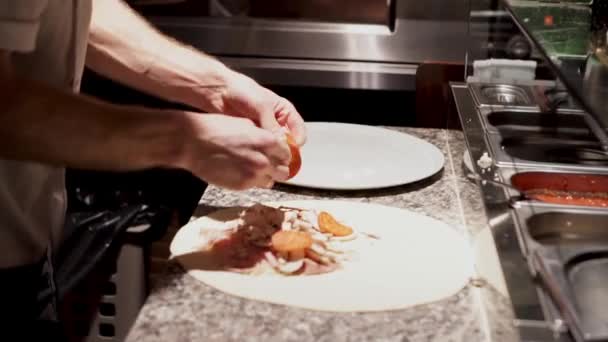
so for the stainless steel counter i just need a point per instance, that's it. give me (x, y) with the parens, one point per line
(546, 249)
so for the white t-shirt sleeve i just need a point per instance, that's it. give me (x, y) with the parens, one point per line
(19, 24)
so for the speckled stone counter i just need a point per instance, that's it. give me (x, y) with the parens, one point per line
(182, 309)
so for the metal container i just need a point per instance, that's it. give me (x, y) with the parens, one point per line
(509, 121)
(492, 95)
(548, 150)
(590, 184)
(564, 246)
(567, 250)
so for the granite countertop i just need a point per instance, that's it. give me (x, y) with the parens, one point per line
(182, 309)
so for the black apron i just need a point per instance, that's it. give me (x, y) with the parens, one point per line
(28, 308)
(31, 295)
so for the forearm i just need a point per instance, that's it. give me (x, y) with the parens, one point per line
(42, 124)
(124, 47)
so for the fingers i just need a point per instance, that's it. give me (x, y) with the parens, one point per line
(294, 121)
(274, 146)
(264, 172)
(280, 173)
(284, 114)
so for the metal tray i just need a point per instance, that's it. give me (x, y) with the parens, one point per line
(588, 277)
(562, 228)
(543, 151)
(490, 94)
(550, 225)
(553, 301)
(557, 179)
(510, 122)
(567, 250)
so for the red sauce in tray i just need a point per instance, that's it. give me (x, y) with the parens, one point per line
(564, 188)
(570, 198)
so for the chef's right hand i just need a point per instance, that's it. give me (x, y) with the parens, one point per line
(233, 153)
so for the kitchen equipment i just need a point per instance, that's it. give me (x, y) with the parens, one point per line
(567, 248)
(341, 156)
(561, 241)
(547, 138)
(358, 44)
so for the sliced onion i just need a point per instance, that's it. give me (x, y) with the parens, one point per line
(286, 225)
(290, 216)
(290, 267)
(319, 237)
(271, 259)
(344, 238)
(332, 246)
(318, 247)
(316, 257)
(303, 225)
(309, 217)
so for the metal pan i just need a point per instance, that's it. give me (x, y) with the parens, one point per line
(570, 189)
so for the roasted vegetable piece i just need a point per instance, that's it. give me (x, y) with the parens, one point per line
(328, 224)
(291, 241)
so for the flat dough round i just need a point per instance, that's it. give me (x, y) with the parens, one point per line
(416, 260)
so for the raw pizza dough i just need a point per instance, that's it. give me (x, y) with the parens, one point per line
(416, 260)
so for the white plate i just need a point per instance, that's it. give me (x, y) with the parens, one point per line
(343, 156)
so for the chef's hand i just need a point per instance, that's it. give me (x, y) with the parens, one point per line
(243, 97)
(233, 153)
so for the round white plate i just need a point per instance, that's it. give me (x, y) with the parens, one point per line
(339, 156)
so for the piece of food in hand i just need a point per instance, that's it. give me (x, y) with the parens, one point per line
(328, 224)
(296, 160)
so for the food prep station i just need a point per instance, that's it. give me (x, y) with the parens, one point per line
(547, 136)
(559, 243)
(543, 267)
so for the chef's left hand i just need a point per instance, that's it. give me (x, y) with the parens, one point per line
(243, 97)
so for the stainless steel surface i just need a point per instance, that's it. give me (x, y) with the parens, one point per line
(507, 172)
(562, 228)
(554, 134)
(387, 53)
(588, 279)
(537, 220)
(410, 42)
(559, 239)
(542, 299)
(547, 151)
(555, 149)
(566, 273)
(530, 321)
(359, 11)
(495, 181)
(537, 122)
(502, 95)
(332, 74)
